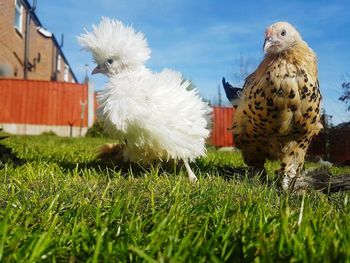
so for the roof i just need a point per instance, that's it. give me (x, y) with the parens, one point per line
(343, 125)
(58, 46)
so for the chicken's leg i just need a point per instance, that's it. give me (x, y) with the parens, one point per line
(291, 166)
(191, 176)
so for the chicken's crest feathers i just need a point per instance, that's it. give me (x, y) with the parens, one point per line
(111, 38)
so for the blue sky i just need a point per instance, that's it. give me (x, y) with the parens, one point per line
(205, 39)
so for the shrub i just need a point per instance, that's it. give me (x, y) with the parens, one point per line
(97, 130)
(49, 133)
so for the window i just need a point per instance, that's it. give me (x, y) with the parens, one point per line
(59, 63)
(18, 15)
(66, 73)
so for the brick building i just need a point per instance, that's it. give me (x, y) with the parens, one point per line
(23, 36)
(38, 88)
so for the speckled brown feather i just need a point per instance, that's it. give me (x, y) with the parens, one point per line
(279, 111)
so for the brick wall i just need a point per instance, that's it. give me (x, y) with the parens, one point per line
(11, 41)
(12, 44)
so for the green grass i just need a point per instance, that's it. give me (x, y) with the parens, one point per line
(61, 205)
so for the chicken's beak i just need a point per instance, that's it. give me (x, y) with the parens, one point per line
(268, 39)
(267, 43)
(98, 69)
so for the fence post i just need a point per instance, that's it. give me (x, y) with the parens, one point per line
(82, 113)
(327, 136)
(91, 103)
(70, 128)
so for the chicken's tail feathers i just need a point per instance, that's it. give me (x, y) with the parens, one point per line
(232, 93)
(321, 179)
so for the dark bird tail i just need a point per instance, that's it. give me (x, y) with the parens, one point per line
(232, 93)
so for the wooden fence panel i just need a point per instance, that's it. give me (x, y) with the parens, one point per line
(222, 121)
(42, 102)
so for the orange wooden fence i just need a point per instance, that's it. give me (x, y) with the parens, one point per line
(42, 102)
(222, 121)
(30, 102)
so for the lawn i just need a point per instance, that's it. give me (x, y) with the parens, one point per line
(59, 204)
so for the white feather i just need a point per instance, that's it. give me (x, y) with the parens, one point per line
(156, 115)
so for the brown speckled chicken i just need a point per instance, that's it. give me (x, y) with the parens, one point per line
(279, 110)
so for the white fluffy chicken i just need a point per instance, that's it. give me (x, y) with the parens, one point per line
(155, 115)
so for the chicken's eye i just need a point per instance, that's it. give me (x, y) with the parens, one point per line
(110, 61)
(283, 33)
